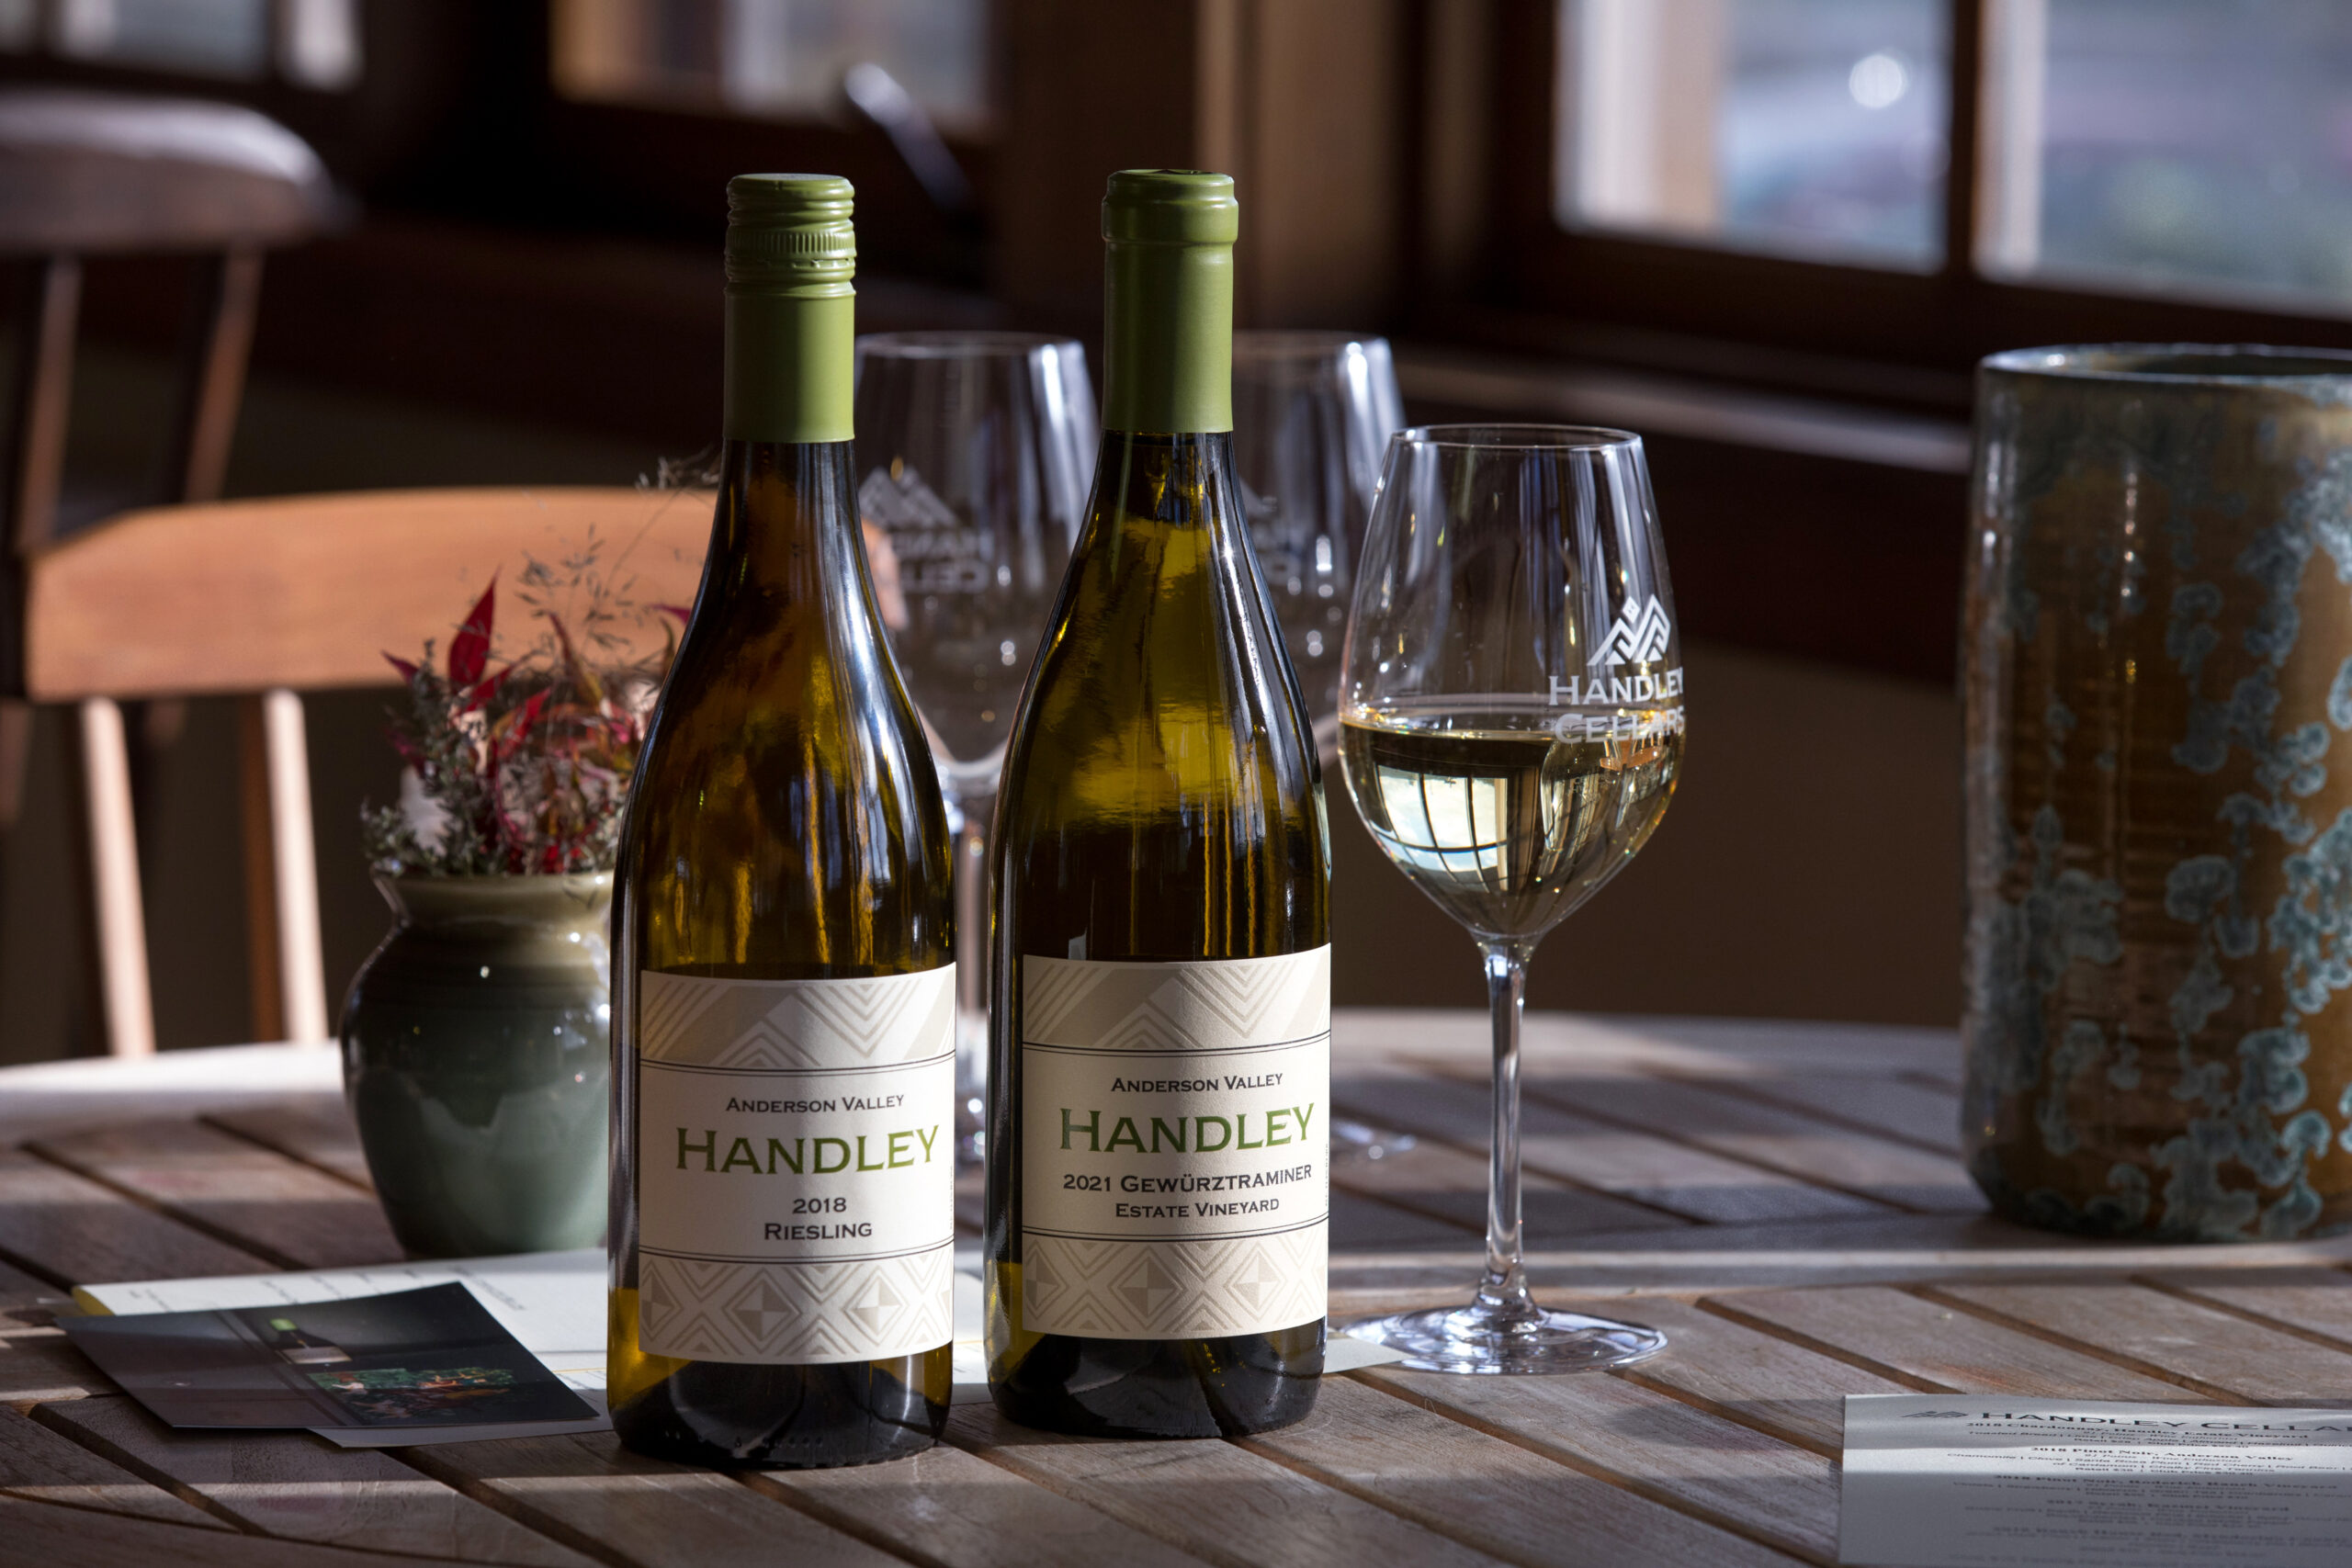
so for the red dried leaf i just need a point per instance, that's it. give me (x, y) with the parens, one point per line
(407, 669)
(469, 650)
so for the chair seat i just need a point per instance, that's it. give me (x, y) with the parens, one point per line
(86, 173)
(310, 592)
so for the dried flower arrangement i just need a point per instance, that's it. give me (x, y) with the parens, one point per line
(523, 768)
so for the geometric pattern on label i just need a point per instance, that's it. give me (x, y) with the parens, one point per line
(1158, 1290)
(796, 1312)
(796, 1025)
(1187, 1005)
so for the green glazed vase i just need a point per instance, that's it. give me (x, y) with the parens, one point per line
(477, 1059)
(2157, 644)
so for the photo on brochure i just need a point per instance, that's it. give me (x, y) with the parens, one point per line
(422, 1358)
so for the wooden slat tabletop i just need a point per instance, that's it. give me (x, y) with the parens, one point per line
(1785, 1201)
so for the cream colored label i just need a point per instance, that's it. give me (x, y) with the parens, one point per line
(1175, 1170)
(795, 1168)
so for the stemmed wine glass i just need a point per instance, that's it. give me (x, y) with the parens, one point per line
(974, 453)
(1511, 729)
(1311, 414)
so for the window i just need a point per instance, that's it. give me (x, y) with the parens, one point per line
(1806, 127)
(309, 43)
(2196, 144)
(1914, 182)
(779, 58)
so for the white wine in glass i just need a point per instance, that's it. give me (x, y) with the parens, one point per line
(1511, 724)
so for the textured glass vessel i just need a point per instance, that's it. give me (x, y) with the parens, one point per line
(2158, 679)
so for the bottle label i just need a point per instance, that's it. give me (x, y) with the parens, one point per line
(1175, 1168)
(796, 1167)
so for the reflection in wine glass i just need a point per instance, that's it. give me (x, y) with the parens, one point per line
(974, 451)
(1312, 413)
(1512, 730)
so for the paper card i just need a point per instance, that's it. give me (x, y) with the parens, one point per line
(415, 1358)
(1959, 1481)
(553, 1302)
(426, 1436)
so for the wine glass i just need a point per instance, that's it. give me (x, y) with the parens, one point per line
(974, 453)
(1312, 413)
(1511, 727)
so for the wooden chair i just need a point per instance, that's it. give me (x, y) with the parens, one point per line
(88, 174)
(283, 595)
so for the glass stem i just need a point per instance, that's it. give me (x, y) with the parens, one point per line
(1502, 1294)
(972, 977)
(972, 906)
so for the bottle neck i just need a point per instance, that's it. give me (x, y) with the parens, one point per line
(1167, 337)
(788, 521)
(790, 365)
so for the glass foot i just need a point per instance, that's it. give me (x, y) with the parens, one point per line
(1469, 1339)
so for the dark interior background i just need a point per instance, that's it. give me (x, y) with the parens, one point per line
(527, 291)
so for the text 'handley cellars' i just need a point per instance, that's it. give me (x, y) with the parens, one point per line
(1174, 1121)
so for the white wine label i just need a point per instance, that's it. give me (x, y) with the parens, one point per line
(796, 1167)
(1175, 1147)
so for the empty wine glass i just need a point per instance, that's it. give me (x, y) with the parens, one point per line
(1312, 413)
(1511, 729)
(974, 452)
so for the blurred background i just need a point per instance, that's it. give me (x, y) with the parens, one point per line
(1770, 235)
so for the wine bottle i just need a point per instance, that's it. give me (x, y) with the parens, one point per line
(784, 998)
(1159, 1092)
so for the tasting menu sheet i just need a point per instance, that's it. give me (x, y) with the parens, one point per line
(1984, 1480)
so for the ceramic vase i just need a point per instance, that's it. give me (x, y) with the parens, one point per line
(477, 1059)
(2158, 678)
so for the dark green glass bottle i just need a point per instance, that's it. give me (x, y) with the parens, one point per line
(1161, 1024)
(782, 1217)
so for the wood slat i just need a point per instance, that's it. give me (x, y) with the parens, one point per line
(2317, 1301)
(1727, 1124)
(297, 1217)
(47, 1366)
(1450, 1184)
(78, 1232)
(1491, 1494)
(23, 1300)
(1729, 1474)
(2224, 1353)
(1940, 1347)
(1923, 1114)
(1748, 1376)
(948, 1508)
(1368, 1225)
(41, 1466)
(1627, 1165)
(56, 1536)
(299, 1487)
(1265, 1513)
(315, 1129)
(593, 1494)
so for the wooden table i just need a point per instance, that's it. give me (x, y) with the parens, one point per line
(1785, 1201)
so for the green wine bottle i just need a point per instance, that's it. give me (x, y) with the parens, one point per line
(784, 998)
(1159, 1089)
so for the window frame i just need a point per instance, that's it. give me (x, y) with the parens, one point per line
(1643, 299)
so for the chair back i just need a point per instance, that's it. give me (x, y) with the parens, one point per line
(269, 597)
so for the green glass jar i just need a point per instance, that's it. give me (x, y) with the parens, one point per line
(476, 1058)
